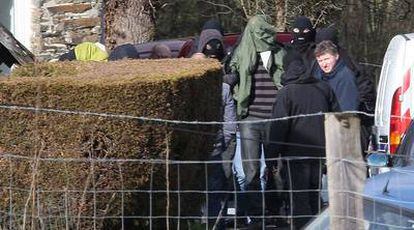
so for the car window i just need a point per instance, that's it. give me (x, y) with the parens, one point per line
(391, 220)
(382, 216)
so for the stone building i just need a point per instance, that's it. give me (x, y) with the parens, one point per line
(49, 28)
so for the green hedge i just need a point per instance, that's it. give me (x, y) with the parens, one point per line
(66, 192)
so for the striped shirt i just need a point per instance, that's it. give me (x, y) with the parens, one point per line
(263, 93)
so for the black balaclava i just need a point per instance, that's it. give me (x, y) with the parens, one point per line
(300, 37)
(328, 33)
(214, 49)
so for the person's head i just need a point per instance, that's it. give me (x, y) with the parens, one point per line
(294, 68)
(160, 51)
(326, 53)
(125, 51)
(327, 33)
(290, 57)
(260, 31)
(211, 44)
(303, 31)
(198, 56)
(214, 49)
(68, 56)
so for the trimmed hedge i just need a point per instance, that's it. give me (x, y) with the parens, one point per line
(68, 193)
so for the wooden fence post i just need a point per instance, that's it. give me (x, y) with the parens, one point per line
(346, 171)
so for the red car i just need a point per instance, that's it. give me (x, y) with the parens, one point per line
(183, 47)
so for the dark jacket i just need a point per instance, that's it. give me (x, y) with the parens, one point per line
(343, 82)
(366, 87)
(301, 94)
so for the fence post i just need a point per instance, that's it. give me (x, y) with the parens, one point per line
(346, 171)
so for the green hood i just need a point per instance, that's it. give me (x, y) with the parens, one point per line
(258, 36)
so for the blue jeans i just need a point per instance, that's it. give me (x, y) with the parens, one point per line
(238, 166)
(253, 153)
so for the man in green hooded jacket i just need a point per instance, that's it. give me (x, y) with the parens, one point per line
(258, 62)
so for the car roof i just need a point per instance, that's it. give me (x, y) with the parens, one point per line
(176, 46)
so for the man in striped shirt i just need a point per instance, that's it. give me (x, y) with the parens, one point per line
(258, 62)
(263, 92)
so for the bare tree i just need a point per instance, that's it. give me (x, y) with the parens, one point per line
(369, 25)
(282, 12)
(128, 21)
(365, 26)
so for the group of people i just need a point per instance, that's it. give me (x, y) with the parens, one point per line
(264, 79)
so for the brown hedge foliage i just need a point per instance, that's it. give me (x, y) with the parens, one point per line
(65, 175)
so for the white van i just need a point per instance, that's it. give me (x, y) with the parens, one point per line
(395, 96)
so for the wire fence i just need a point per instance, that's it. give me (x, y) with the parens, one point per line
(42, 190)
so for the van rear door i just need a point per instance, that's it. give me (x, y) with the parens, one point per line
(395, 98)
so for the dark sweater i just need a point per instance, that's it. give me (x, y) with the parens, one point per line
(343, 82)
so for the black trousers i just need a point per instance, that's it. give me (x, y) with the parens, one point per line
(304, 184)
(219, 179)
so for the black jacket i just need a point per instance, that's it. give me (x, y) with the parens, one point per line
(301, 94)
(366, 87)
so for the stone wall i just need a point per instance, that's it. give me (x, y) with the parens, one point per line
(59, 25)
